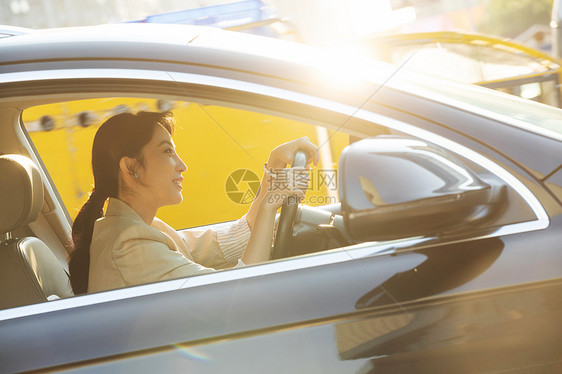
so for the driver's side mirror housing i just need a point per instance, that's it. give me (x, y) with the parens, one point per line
(395, 186)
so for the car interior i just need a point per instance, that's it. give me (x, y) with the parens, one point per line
(46, 151)
(52, 143)
(30, 271)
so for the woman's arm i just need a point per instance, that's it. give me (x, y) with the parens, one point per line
(213, 248)
(279, 158)
(157, 223)
(261, 216)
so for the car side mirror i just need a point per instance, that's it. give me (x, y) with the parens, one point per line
(395, 186)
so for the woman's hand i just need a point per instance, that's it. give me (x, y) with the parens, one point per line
(282, 155)
(274, 192)
(289, 183)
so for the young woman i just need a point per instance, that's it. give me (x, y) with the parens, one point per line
(136, 167)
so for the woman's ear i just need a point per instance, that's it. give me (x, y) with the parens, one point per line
(127, 166)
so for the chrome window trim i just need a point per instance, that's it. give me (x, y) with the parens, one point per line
(328, 257)
(45, 75)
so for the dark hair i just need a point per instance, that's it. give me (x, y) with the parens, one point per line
(122, 135)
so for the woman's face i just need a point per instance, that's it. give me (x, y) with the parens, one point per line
(160, 175)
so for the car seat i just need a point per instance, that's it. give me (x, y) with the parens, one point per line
(30, 272)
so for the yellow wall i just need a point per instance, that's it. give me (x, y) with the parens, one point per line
(213, 141)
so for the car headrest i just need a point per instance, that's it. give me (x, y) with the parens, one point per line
(21, 192)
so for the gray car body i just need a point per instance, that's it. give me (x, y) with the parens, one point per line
(476, 301)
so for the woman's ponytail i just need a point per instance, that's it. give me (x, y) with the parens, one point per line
(82, 230)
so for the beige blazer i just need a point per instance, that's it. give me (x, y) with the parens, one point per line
(125, 251)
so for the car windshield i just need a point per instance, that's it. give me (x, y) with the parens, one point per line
(531, 116)
(526, 114)
(478, 63)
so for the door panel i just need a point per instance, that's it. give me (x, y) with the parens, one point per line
(501, 330)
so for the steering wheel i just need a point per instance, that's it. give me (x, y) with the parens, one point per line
(286, 222)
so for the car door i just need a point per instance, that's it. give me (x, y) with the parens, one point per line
(388, 304)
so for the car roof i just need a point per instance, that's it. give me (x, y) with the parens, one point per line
(170, 42)
(134, 38)
(8, 31)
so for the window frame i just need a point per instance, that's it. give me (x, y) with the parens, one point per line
(207, 88)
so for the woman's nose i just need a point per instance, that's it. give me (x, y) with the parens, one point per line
(181, 166)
